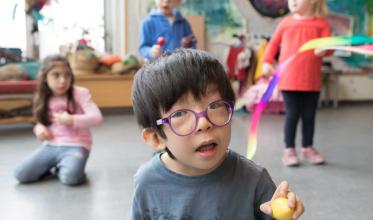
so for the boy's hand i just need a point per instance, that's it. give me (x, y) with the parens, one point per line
(294, 202)
(156, 50)
(187, 42)
(268, 69)
(63, 118)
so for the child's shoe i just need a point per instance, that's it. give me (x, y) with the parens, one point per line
(290, 157)
(312, 155)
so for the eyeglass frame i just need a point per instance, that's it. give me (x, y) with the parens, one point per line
(198, 115)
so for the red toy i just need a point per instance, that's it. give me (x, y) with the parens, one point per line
(161, 41)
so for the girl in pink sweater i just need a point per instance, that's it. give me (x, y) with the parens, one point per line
(63, 114)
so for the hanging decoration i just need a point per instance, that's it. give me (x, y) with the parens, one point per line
(271, 8)
(33, 10)
(14, 11)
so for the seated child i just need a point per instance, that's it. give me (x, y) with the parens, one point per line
(184, 103)
(165, 22)
(64, 114)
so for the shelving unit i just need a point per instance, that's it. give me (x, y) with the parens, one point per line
(107, 90)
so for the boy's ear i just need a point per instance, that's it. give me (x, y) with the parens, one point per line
(151, 137)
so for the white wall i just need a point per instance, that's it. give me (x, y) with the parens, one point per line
(136, 12)
(114, 27)
(256, 23)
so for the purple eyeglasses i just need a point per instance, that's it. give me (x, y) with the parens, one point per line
(184, 122)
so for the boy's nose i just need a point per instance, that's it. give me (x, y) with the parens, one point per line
(203, 124)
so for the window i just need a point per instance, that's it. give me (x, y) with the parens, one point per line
(64, 23)
(67, 21)
(13, 24)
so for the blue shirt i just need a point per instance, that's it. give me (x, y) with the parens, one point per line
(235, 190)
(156, 25)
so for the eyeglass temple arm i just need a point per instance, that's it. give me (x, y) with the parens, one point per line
(162, 121)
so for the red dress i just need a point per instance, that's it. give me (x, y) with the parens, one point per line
(303, 73)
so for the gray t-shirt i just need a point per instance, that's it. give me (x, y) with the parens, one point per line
(234, 190)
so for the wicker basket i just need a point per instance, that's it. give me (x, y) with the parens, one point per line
(83, 61)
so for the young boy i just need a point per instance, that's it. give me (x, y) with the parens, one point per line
(184, 102)
(166, 22)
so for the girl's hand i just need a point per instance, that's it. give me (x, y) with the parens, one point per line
(293, 201)
(63, 118)
(45, 134)
(319, 52)
(268, 69)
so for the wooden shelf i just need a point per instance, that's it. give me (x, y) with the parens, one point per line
(16, 119)
(108, 90)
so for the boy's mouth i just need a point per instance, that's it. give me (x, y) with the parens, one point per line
(206, 147)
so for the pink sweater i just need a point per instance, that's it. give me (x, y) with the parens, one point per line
(86, 115)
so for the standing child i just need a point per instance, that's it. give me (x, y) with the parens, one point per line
(184, 103)
(301, 81)
(165, 22)
(63, 113)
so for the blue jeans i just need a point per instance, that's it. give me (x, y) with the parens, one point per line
(300, 105)
(68, 161)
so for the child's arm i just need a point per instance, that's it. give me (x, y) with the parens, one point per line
(268, 69)
(42, 132)
(91, 116)
(270, 52)
(62, 118)
(273, 46)
(156, 51)
(189, 40)
(135, 212)
(145, 47)
(294, 203)
(326, 32)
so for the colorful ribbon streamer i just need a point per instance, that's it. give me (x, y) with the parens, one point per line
(356, 44)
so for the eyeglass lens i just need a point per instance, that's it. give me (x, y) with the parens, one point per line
(184, 122)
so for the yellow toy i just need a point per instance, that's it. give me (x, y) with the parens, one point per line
(281, 210)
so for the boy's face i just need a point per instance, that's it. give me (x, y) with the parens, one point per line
(202, 151)
(166, 6)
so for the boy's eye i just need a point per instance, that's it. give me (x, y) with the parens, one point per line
(216, 105)
(178, 114)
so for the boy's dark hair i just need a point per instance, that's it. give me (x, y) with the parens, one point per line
(160, 84)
